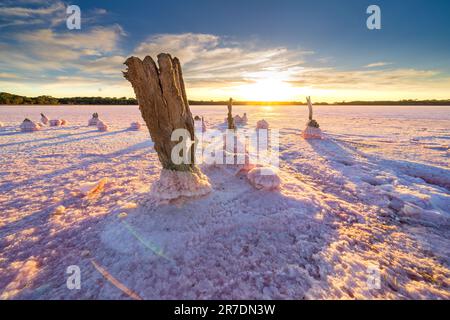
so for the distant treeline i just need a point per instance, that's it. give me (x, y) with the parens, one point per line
(245, 103)
(343, 103)
(397, 103)
(8, 98)
(12, 99)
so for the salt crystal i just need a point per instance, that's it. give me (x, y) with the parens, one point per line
(92, 188)
(60, 210)
(55, 123)
(101, 126)
(264, 178)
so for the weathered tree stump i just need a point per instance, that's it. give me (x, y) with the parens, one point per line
(230, 118)
(311, 122)
(163, 103)
(312, 130)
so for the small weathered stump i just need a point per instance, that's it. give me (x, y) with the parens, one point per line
(44, 119)
(203, 125)
(230, 119)
(163, 103)
(244, 118)
(94, 120)
(312, 130)
(199, 124)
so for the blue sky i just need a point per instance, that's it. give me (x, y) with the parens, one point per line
(248, 49)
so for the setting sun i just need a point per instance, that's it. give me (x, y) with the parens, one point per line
(268, 86)
(267, 90)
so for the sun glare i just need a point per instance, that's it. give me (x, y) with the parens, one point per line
(268, 85)
(268, 90)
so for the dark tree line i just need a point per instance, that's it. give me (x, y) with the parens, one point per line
(98, 100)
(12, 99)
(7, 98)
(430, 102)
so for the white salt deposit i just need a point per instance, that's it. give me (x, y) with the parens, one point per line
(264, 178)
(175, 184)
(55, 123)
(29, 126)
(262, 124)
(376, 194)
(136, 126)
(93, 188)
(93, 121)
(312, 133)
(101, 126)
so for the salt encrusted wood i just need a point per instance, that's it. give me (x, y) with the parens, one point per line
(230, 118)
(162, 99)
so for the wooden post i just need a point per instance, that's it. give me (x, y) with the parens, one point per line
(163, 103)
(230, 119)
(308, 99)
(164, 106)
(311, 122)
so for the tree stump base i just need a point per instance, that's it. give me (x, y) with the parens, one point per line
(164, 106)
(312, 133)
(176, 184)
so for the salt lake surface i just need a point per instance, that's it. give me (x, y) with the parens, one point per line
(374, 192)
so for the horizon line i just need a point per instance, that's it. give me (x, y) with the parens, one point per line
(133, 101)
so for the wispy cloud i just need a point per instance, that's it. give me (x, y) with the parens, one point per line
(75, 41)
(42, 14)
(38, 56)
(6, 75)
(332, 78)
(211, 62)
(211, 59)
(81, 63)
(378, 64)
(31, 12)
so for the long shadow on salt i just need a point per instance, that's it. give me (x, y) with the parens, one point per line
(61, 136)
(235, 243)
(98, 159)
(52, 144)
(407, 197)
(38, 250)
